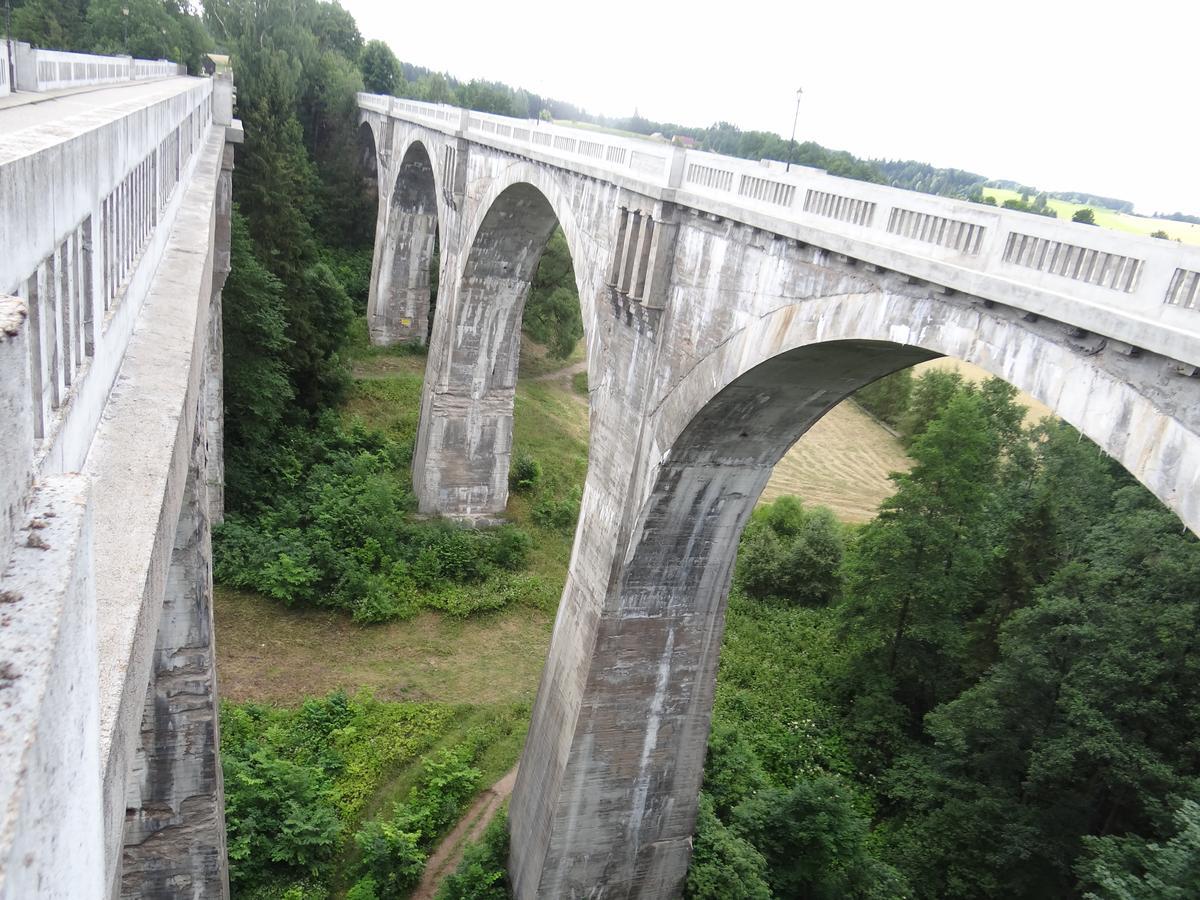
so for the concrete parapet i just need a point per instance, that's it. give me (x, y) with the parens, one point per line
(51, 841)
(16, 437)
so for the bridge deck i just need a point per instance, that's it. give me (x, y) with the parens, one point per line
(37, 110)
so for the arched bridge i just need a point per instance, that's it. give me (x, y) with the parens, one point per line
(727, 305)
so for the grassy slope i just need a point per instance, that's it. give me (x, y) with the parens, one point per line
(1107, 218)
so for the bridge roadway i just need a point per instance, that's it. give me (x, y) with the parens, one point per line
(114, 224)
(727, 304)
(28, 110)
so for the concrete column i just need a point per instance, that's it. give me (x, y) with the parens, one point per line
(398, 312)
(175, 807)
(464, 441)
(607, 789)
(398, 304)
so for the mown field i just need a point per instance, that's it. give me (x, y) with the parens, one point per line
(1107, 218)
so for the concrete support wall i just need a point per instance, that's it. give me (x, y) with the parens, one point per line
(175, 805)
(398, 305)
(462, 456)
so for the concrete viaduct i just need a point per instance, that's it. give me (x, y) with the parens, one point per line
(114, 246)
(727, 305)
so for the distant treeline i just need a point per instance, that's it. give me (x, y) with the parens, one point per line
(1179, 217)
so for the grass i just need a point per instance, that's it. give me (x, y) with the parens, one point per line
(1107, 218)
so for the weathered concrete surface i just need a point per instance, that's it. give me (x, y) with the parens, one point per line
(398, 302)
(51, 842)
(140, 459)
(175, 808)
(726, 307)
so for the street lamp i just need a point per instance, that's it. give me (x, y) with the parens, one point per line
(125, 26)
(795, 119)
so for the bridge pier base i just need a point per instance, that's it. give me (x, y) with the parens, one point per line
(175, 805)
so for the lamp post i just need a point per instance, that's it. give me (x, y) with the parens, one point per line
(795, 119)
(125, 27)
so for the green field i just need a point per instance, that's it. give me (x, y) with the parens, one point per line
(1107, 218)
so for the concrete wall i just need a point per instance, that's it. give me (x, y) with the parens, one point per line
(715, 337)
(106, 361)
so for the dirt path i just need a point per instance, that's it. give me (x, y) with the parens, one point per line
(566, 373)
(449, 852)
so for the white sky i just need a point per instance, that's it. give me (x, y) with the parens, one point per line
(1100, 96)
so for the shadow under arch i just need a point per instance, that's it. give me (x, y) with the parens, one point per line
(398, 306)
(608, 786)
(464, 443)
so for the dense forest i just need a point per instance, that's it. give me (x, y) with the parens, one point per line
(990, 690)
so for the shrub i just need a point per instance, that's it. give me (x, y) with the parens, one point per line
(558, 514)
(525, 474)
(391, 859)
(483, 872)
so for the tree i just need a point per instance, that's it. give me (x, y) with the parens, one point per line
(552, 316)
(724, 865)
(1077, 730)
(1085, 216)
(1159, 233)
(793, 553)
(815, 843)
(1132, 868)
(380, 68)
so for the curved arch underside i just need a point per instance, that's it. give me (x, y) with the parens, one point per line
(398, 310)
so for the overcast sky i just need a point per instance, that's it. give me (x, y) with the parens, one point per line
(1100, 96)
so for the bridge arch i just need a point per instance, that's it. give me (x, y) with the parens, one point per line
(406, 235)
(464, 442)
(609, 782)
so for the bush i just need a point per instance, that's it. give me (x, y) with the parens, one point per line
(791, 552)
(558, 514)
(483, 872)
(525, 474)
(279, 816)
(340, 536)
(391, 859)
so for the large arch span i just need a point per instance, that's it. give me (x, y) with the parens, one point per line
(629, 733)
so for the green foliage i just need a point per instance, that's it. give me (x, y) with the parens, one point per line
(552, 316)
(153, 29)
(391, 859)
(815, 842)
(337, 533)
(928, 397)
(1117, 868)
(393, 852)
(791, 553)
(482, 874)
(380, 68)
(559, 514)
(524, 474)
(1085, 216)
(888, 398)
(279, 817)
(724, 865)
